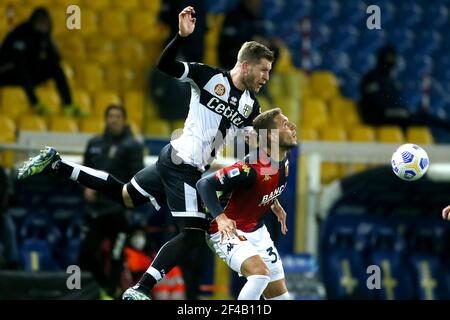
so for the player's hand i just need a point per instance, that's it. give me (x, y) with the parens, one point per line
(226, 227)
(90, 195)
(446, 213)
(281, 215)
(186, 21)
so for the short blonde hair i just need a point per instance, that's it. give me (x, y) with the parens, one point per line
(253, 51)
(265, 120)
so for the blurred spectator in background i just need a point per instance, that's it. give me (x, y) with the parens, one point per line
(172, 96)
(381, 102)
(243, 23)
(9, 252)
(380, 93)
(171, 287)
(29, 57)
(116, 151)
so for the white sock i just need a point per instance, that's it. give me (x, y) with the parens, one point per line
(284, 296)
(254, 287)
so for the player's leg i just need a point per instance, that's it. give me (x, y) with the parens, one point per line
(179, 186)
(49, 160)
(241, 256)
(276, 289)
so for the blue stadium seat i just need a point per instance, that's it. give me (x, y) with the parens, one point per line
(37, 255)
(408, 13)
(430, 277)
(435, 16)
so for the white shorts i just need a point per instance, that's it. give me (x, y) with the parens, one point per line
(235, 251)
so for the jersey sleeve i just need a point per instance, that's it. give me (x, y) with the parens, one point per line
(199, 73)
(239, 175)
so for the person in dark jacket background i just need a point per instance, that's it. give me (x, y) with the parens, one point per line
(29, 57)
(119, 152)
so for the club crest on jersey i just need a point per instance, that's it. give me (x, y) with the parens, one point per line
(247, 110)
(233, 173)
(219, 89)
(267, 177)
(246, 169)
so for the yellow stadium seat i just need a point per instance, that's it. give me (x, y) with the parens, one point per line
(32, 123)
(142, 22)
(324, 85)
(332, 171)
(390, 134)
(97, 4)
(361, 134)
(157, 128)
(134, 102)
(177, 124)
(72, 48)
(314, 113)
(113, 24)
(90, 76)
(343, 111)
(92, 125)
(35, 3)
(152, 6)
(131, 53)
(8, 135)
(135, 128)
(66, 3)
(8, 131)
(308, 134)
(14, 101)
(63, 124)
(419, 135)
(101, 49)
(333, 133)
(82, 99)
(50, 98)
(125, 5)
(102, 100)
(89, 20)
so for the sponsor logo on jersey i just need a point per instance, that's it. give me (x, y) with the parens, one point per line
(268, 198)
(230, 247)
(233, 173)
(242, 238)
(247, 110)
(233, 100)
(246, 169)
(219, 89)
(233, 115)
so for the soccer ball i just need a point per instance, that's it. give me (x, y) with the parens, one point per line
(410, 162)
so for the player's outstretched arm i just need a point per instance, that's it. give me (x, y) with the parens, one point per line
(167, 62)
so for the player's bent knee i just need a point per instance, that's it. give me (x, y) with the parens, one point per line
(254, 266)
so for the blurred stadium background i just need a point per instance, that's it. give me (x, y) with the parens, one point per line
(346, 210)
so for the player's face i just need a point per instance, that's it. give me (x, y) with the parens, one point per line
(257, 75)
(287, 133)
(115, 122)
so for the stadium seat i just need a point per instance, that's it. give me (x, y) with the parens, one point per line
(390, 134)
(72, 48)
(37, 255)
(343, 111)
(419, 135)
(49, 97)
(82, 99)
(102, 49)
(63, 124)
(314, 113)
(90, 76)
(157, 128)
(102, 100)
(152, 6)
(134, 102)
(131, 53)
(14, 102)
(92, 125)
(331, 171)
(113, 24)
(8, 135)
(324, 84)
(141, 24)
(97, 5)
(308, 134)
(125, 5)
(89, 19)
(361, 134)
(32, 123)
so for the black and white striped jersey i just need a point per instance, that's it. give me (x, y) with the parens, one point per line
(217, 110)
